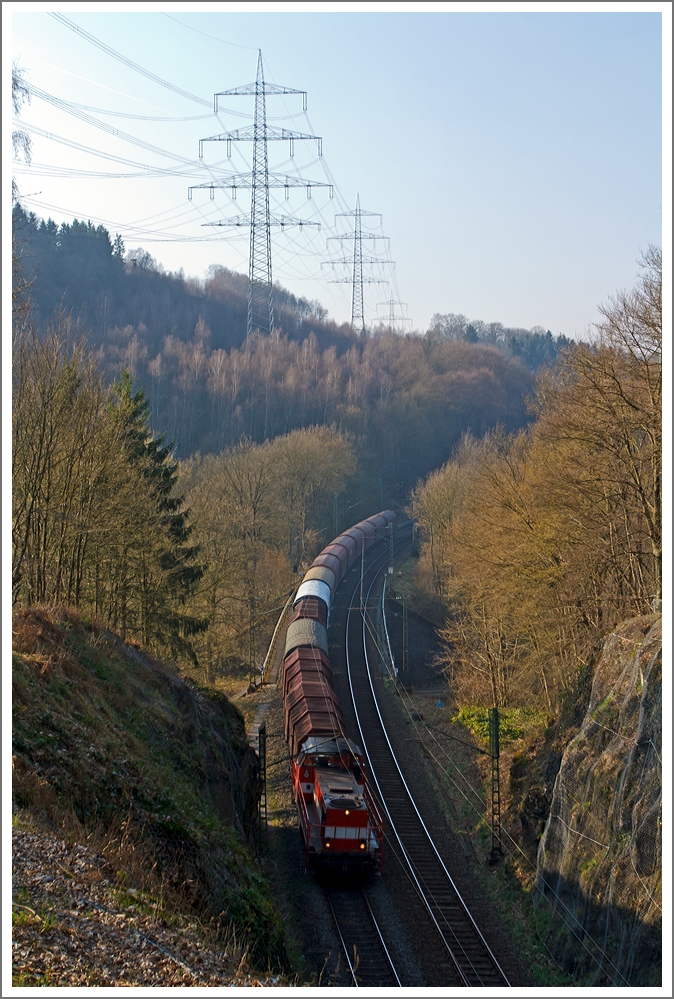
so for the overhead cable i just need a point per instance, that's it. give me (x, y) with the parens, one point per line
(172, 171)
(151, 235)
(70, 109)
(138, 117)
(127, 62)
(214, 38)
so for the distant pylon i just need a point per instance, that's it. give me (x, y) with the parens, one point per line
(260, 304)
(259, 181)
(392, 317)
(357, 280)
(357, 313)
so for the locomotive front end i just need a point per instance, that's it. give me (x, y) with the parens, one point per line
(340, 822)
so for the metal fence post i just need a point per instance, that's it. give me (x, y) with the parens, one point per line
(494, 751)
(262, 807)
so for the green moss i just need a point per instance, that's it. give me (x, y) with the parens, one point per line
(587, 867)
(514, 723)
(27, 980)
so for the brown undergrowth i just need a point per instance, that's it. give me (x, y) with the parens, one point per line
(114, 751)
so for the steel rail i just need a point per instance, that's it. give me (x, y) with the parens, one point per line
(394, 668)
(351, 923)
(382, 798)
(343, 943)
(381, 939)
(424, 826)
(454, 947)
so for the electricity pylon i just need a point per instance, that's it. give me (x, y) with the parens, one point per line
(392, 317)
(357, 280)
(259, 182)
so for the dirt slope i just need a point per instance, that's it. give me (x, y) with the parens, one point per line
(115, 752)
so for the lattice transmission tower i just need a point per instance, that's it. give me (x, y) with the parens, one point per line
(392, 318)
(259, 181)
(357, 280)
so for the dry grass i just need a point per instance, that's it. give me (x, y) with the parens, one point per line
(114, 750)
(79, 921)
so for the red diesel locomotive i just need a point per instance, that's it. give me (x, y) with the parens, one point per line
(339, 820)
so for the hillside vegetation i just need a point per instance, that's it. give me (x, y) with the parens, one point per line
(537, 490)
(540, 542)
(543, 549)
(406, 399)
(279, 438)
(113, 747)
(187, 559)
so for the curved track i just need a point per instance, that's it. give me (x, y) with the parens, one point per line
(463, 955)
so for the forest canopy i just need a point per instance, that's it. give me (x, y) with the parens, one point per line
(172, 477)
(541, 541)
(183, 341)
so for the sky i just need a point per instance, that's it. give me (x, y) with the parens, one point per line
(514, 155)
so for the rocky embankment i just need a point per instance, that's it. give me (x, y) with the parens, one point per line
(120, 762)
(600, 857)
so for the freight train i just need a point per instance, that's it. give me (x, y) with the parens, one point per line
(340, 824)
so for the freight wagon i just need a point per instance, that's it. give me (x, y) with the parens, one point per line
(340, 824)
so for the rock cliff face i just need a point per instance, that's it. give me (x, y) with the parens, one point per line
(600, 857)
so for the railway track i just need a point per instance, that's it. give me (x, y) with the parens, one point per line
(367, 956)
(464, 957)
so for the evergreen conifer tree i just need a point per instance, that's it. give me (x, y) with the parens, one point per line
(169, 568)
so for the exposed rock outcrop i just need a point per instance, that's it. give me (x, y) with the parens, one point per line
(600, 857)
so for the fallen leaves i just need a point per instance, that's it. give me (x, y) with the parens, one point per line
(74, 926)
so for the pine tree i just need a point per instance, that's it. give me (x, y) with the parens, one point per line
(118, 248)
(167, 567)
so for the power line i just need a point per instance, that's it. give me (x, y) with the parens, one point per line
(127, 62)
(52, 136)
(50, 170)
(124, 227)
(138, 117)
(170, 171)
(343, 204)
(214, 38)
(183, 164)
(392, 317)
(83, 116)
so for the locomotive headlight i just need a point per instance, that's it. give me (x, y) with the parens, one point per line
(362, 846)
(327, 842)
(346, 812)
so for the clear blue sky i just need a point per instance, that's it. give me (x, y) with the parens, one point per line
(515, 157)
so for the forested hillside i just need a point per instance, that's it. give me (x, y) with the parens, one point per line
(80, 268)
(540, 542)
(121, 369)
(541, 553)
(536, 485)
(406, 399)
